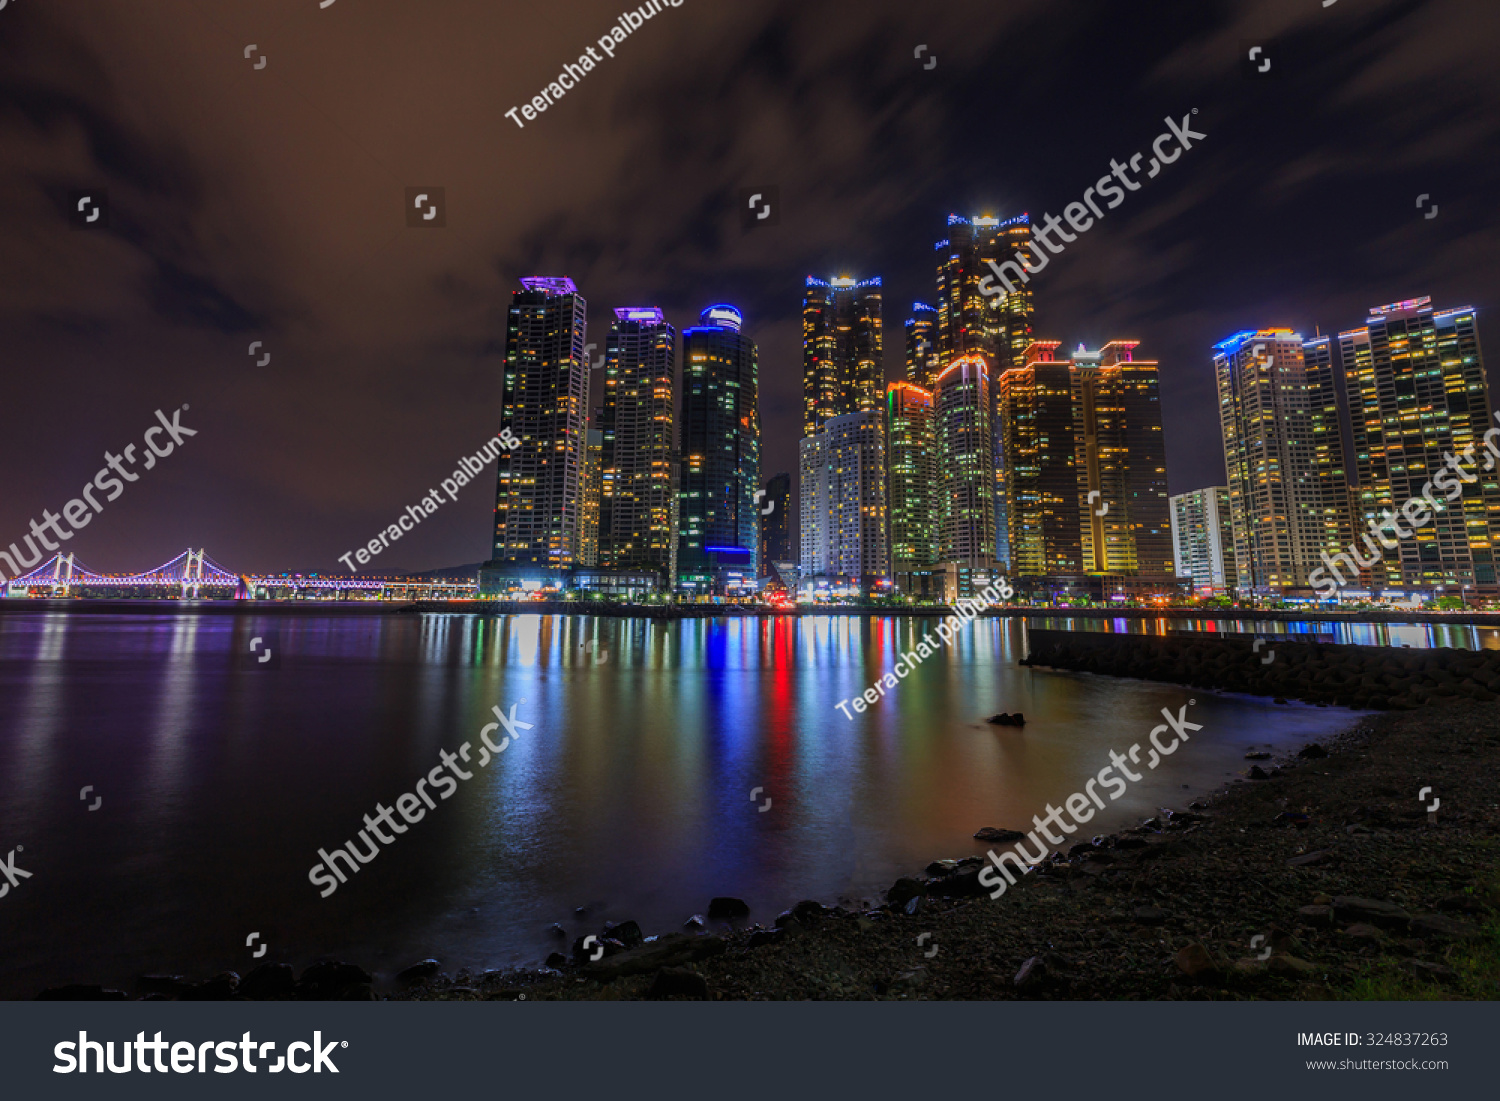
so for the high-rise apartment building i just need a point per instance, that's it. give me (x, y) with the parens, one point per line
(1037, 417)
(921, 345)
(1121, 463)
(997, 326)
(638, 499)
(844, 514)
(1203, 540)
(776, 524)
(719, 536)
(911, 478)
(966, 488)
(544, 402)
(842, 347)
(588, 505)
(1417, 393)
(1330, 491)
(1277, 502)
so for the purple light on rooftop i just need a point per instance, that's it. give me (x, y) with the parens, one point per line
(649, 314)
(550, 284)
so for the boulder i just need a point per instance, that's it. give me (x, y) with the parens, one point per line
(220, 988)
(994, 833)
(1436, 925)
(727, 909)
(628, 933)
(1384, 914)
(672, 950)
(270, 982)
(903, 889)
(1194, 961)
(678, 982)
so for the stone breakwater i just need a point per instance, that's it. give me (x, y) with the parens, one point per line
(1362, 677)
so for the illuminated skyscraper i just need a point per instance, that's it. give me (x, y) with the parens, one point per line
(911, 478)
(588, 506)
(921, 345)
(966, 495)
(1276, 501)
(1332, 495)
(1203, 540)
(544, 402)
(844, 510)
(1417, 393)
(1121, 462)
(1086, 480)
(638, 502)
(842, 347)
(1037, 416)
(719, 540)
(997, 326)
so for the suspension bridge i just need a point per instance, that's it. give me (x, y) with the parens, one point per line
(192, 575)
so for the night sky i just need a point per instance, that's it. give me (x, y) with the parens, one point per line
(268, 204)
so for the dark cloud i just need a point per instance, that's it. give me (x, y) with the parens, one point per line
(267, 204)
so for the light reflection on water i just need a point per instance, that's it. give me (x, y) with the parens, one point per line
(221, 780)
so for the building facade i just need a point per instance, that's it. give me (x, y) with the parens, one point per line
(1203, 540)
(638, 470)
(1276, 502)
(538, 532)
(842, 349)
(965, 511)
(1417, 393)
(921, 345)
(719, 537)
(911, 480)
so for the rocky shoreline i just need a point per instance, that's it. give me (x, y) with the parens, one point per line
(1323, 878)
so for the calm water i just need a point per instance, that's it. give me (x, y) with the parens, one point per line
(632, 792)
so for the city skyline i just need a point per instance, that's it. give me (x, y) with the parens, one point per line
(376, 345)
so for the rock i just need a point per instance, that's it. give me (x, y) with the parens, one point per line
(557, 931)
(1195, 962)
(678, 982)
(1004, 719)
(1310, 860)
(785, 918)
(727, 909)
(162, 984)
(914, 906)
(1081, 848)
(1431, 972)
(1436, 925)
(1364, 930)
(903, 889)
(358, 992)
(907, 981)
(994, 833)
(1131, 843)
(268, 982)
(1034, 975)
(1290, 966)
(673, 950)
(220, 988)
(958, 885)
(1385, 914)
(1148, 915)
(808, 909)
(1260, 756)
(326, 980)
(1312, 752)
(423, 969)
(1320, 916)
(79, 992)
(1461, 904)
(557, 961)
(1258, 773)
(629, 933)
(762, 937)
(695, 924)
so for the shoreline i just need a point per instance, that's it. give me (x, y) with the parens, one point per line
(1327, 859)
